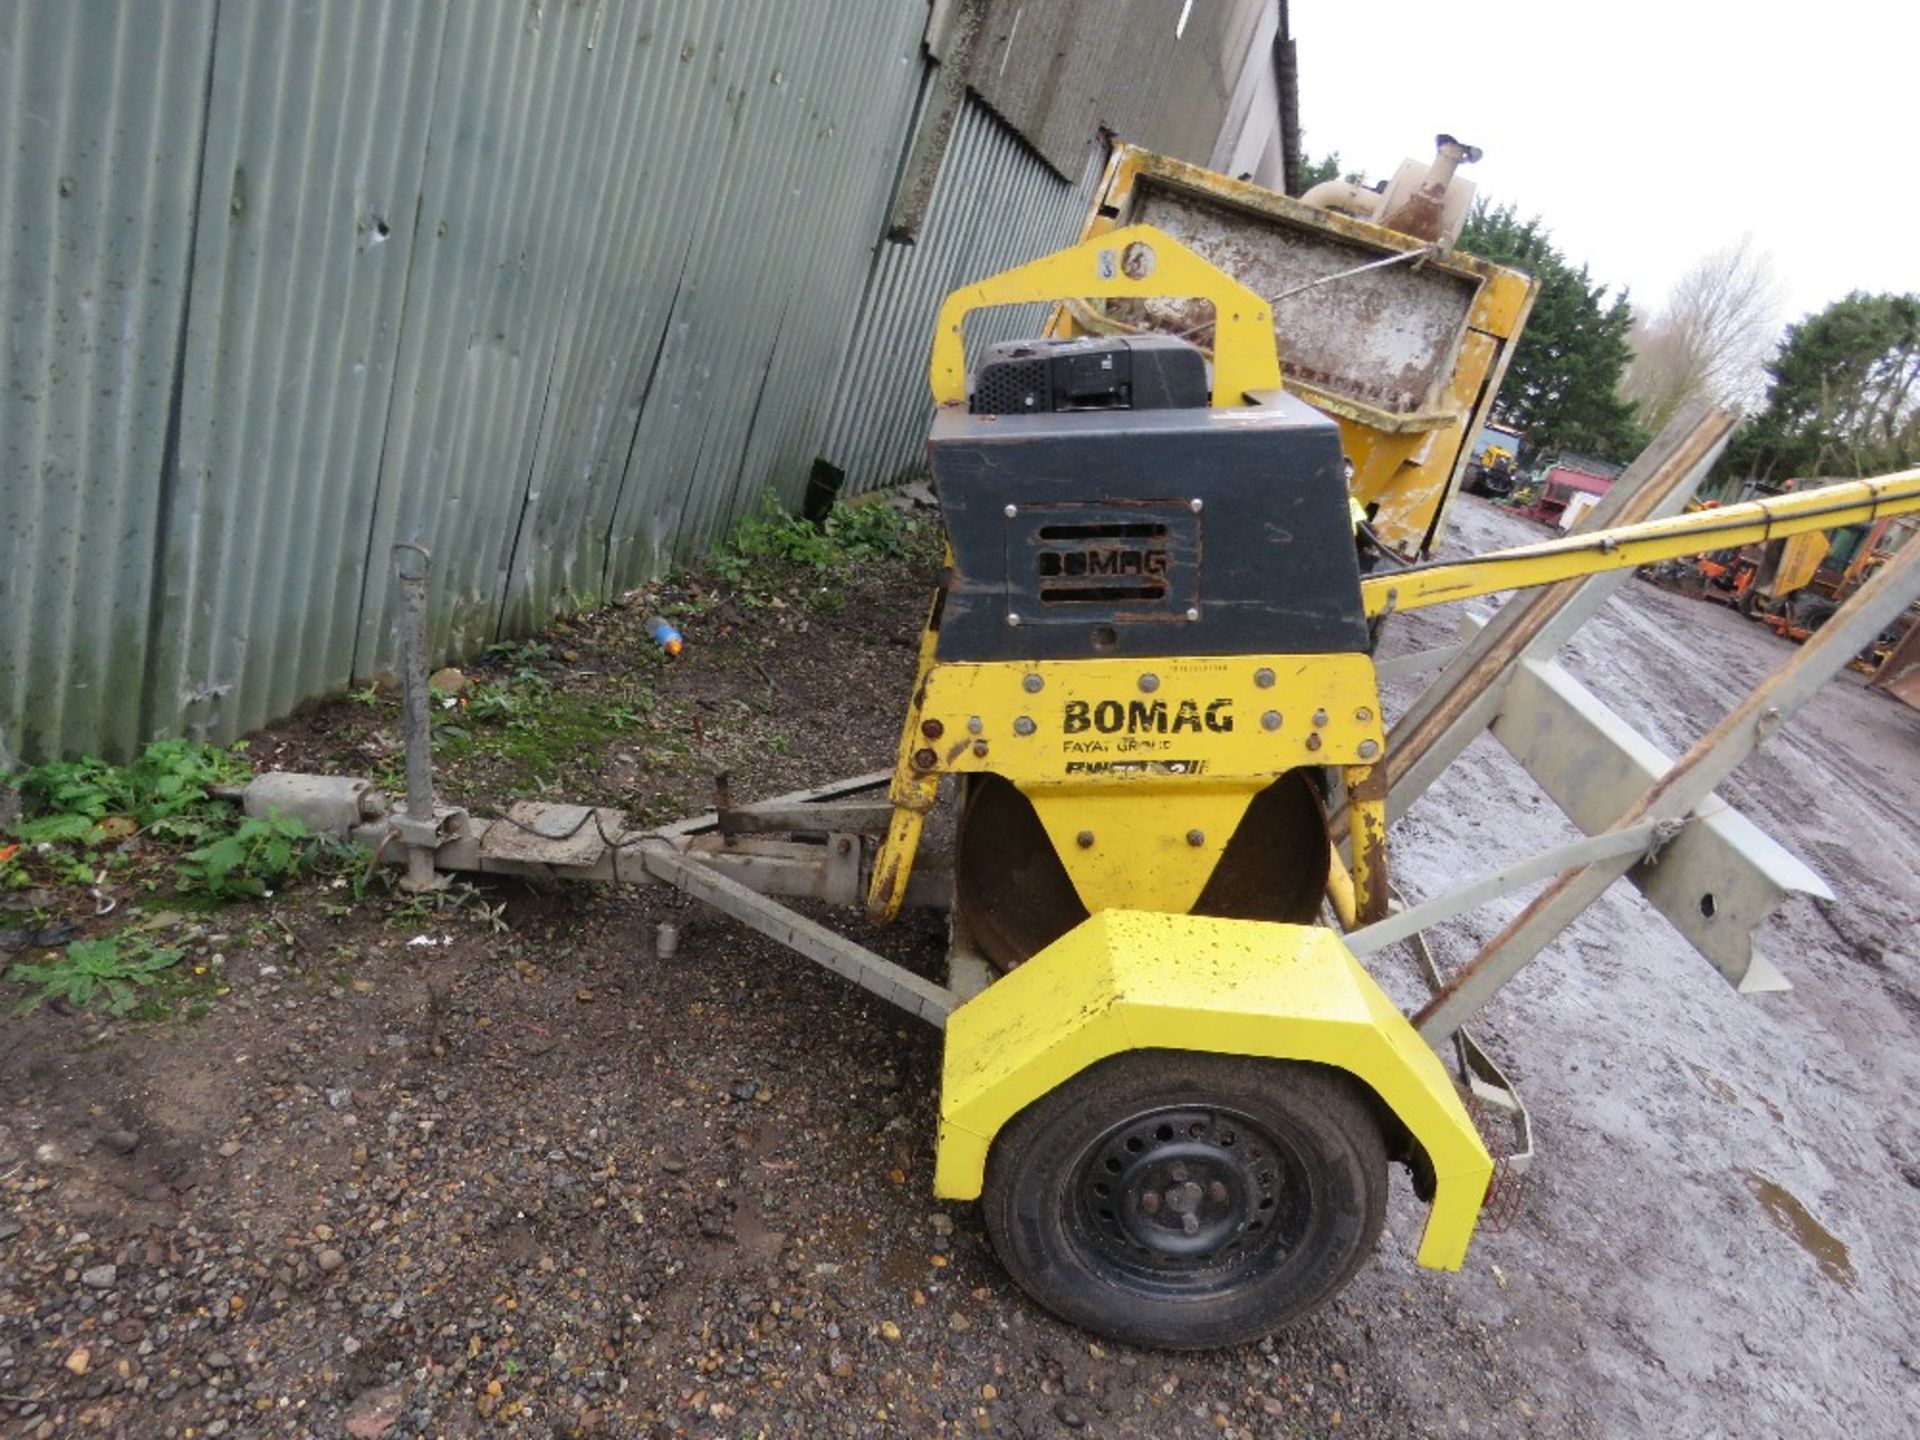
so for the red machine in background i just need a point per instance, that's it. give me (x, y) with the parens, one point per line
(1568, 488)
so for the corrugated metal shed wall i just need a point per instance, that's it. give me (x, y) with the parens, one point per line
(994, 205)
(629, 285)
(102, 108)
(548, 287)
(555, 288)
(316, 129)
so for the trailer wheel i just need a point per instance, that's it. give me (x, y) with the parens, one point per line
(1182, 1200)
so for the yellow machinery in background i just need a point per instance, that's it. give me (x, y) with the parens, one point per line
(1794, 583)
(1799, 561)
(1379, 322)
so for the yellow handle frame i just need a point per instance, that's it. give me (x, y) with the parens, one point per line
(1136, 262)
(1830, 507)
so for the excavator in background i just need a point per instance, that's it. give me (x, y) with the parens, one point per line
(1728, 576)
(1794, 584)
(1492, 473)
(1797, 589)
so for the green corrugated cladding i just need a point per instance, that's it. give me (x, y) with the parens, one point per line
(993, 206)
(102, 114)
(554, 289)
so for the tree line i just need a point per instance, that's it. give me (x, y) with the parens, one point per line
(1835, 395)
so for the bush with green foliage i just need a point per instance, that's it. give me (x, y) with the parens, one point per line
(1844, 397)
(1563, 384)
(75, 806)
(165, 791)
(258, 855)
(851, 534)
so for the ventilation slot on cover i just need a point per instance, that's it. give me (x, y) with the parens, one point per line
(1138, 530)
(1146, 592)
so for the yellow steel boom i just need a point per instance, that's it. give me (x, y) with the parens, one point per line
(1829, 508)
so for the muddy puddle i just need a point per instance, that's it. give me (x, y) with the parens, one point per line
(1783, 1207)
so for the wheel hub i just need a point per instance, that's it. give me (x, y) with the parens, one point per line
(1176, 1196)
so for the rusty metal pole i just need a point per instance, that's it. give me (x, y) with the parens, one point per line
(411, 565)
(1286, 70)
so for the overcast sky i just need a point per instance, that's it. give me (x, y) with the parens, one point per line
(1648, 134)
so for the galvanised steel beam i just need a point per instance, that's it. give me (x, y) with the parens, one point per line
(1686, 785)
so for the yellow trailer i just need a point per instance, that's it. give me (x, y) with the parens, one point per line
(1147, 694)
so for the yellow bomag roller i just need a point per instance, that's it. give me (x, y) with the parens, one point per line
(1147, 691)
(1146, 735)
(1148, 675)
(1148, 652)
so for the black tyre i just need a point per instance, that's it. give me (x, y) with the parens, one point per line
(1184, 1201)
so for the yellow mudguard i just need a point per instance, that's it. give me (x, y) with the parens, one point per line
(1133, 980)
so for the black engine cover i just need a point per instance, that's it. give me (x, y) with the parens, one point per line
(1146, 532)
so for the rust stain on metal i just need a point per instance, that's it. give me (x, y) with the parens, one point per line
(880, 898)
(1387, 338)
(1400, 340)
(1367, 797)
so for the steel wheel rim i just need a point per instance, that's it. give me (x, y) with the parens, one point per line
(1186, 1200)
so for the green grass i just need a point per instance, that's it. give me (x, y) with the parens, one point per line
(523, 727)
(521, 731)
(536, 731)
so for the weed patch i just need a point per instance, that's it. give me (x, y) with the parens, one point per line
(770, 549)
(95, 838)
(165, 792)
(257, 856)
(110, 972)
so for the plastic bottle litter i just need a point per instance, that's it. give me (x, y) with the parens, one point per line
(666, 637)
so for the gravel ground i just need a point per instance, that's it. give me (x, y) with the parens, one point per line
(494, 1170)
